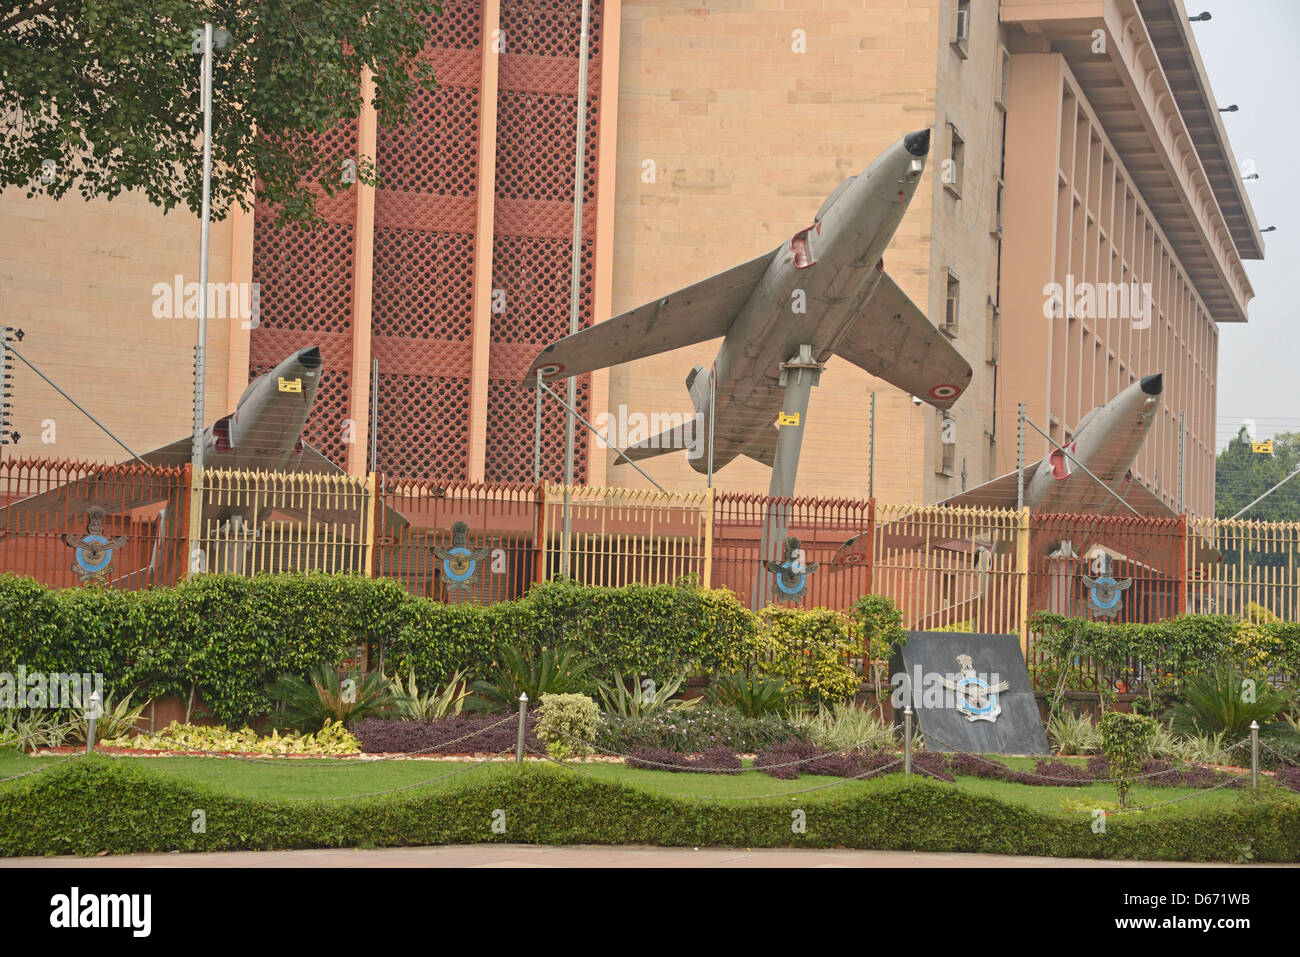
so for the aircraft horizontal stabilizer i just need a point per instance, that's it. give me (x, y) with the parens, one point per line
(999, 493)
(695, 314)
(892, 338)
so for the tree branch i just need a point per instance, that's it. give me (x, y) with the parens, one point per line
(31, 11)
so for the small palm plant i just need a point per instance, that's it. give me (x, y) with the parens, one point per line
(752, 693)
(307, 703)
(433, 705)
(633, 700)
(546, 672)
(1225, 700)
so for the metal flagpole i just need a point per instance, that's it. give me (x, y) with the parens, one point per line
(575, 278)
(200, 348)
(1020, 460)
(871, 452)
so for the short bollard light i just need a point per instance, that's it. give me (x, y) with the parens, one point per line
(93, 711)
(907, 742)
(519, 741)
(1254, 754)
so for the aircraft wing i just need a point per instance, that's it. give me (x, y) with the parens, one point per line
(892, 338)
(323, 508)
(1149, 505)
(999, 493)
(697, 313)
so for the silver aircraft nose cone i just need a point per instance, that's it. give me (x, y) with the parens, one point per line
(310, 358)
(1153, 384)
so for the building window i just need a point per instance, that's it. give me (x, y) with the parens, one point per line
(961, 29)
(953, 166)
(951, 305)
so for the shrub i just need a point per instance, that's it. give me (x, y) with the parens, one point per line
(751, 693)
(31, 730)
(810, 650)
(844, 727)
(536, 674)
(693, 731)
(135, 809)
(1126, 743)
(635, 699)
(1224, 700)
(568, 724)
(113, 721)
(878, 626)
(332, 738)
(1167, 651)
(433, 705)
(487, 734)
(1073, 733)
(323, 696)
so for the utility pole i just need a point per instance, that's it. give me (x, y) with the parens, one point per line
(575, 279)
(1020, 460)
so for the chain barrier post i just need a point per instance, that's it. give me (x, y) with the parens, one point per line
(519, 741)
(907, 741)
(1254, 755)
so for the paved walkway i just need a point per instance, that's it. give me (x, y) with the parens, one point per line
(527, 855)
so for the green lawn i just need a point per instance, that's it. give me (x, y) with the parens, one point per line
(314, 778)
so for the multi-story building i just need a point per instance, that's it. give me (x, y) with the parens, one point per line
(1077, 156)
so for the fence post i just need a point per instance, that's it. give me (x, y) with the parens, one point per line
(907, 741)
(706, 579)
(539, 535)
(1254, 755)
(1022, 573)
(1183, 557)
(519, 741)
(372, 523)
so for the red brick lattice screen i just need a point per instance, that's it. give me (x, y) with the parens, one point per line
(306, 296)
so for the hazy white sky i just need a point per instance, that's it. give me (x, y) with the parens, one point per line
(1249, 49)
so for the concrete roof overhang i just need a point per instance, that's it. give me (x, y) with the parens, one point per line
(1150, 92)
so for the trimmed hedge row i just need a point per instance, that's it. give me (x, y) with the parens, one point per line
(98, 804)
(226, 636)
(1183, 646)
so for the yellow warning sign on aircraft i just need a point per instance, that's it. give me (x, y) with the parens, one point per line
(790, 419)
(1266, 447)
(290, 385)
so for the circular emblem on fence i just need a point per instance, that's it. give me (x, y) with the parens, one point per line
(792, 573)
(460, 564)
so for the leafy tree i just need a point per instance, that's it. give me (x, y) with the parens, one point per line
(104, 95)
(1242, 475)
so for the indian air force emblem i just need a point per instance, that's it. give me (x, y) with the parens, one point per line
(93, 552)
(977, 698)
(1104, 591)
(792, 573)
(460, 564)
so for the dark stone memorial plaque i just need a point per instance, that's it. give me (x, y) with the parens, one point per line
(968, 692)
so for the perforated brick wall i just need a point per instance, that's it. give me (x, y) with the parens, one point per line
(306, 298)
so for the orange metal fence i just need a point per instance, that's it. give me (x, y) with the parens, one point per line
(982, 570)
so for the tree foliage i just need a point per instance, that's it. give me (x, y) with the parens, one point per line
(1242, 475)
(104, 96)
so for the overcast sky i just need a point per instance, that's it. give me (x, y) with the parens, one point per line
(1249, 49)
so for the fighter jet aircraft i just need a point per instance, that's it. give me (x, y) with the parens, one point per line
(1105, 443)
(264, 433)
(781, 316)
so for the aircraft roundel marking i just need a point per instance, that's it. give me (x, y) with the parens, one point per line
(944, 391)
(550, 370)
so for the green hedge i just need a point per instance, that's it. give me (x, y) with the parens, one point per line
(96, 804)
(1178, 647)
(227, 636)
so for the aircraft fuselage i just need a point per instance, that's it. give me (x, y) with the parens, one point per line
(812, 291)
